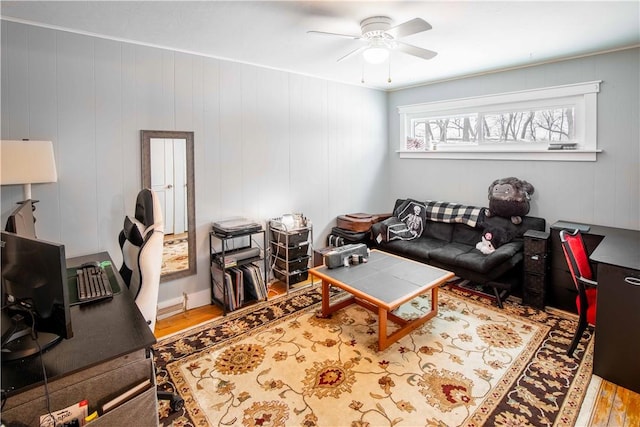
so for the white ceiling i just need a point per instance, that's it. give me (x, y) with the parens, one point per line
(470, 36)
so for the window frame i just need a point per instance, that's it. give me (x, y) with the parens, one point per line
(582, 96)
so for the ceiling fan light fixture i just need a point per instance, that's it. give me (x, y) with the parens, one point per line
(380, 38)
(375, 54)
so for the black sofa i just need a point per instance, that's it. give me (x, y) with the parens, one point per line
(448, 239)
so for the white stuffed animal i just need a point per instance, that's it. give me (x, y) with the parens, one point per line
(485, 246)
(492, 238)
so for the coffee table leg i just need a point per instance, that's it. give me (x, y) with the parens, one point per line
(325, 299)
(327, 308)
(383, 342)
(406, 326)
(434, 300)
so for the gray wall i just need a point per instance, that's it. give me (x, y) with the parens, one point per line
(269, 142)
(266, 142)
(605, 192)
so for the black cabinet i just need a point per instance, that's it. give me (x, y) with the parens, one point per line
(614, 255)
(536, 266)
(617, 340)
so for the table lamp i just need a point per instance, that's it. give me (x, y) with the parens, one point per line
(26, 163)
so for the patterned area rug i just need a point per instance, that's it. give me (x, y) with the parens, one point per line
(175, 255)
(472, 365)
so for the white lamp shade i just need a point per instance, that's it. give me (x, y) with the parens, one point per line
(375, 55)
(27, 162)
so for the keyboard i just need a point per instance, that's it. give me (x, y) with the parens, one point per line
(93, 284)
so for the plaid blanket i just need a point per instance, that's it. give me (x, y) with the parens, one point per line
(453, 212)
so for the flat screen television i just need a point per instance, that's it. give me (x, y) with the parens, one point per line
(35, 297)
(21, 220)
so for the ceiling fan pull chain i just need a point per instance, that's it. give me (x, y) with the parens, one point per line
(389, 79)
(362, 79)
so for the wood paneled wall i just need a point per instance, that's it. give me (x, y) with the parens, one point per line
(266, 142)
(269, 142)
(605, 192)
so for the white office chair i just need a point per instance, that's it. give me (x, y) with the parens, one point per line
(141, 242)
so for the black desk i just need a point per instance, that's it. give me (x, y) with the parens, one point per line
(617, 337)
(107, 336)
(619, 247)
(615, 256)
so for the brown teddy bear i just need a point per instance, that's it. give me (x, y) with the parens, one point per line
(509, 198)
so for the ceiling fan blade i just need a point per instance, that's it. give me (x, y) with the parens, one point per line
(352, 53)
(416, 25)
(324, 33)
(416, 51)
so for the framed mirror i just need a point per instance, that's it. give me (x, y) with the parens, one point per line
(167, 168)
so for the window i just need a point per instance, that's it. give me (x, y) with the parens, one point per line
(545, 124)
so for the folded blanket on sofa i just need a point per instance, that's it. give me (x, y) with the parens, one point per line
(453, 212)
(409, 218)
(438, 212)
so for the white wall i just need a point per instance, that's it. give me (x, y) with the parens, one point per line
(605, 192)
(266, 142)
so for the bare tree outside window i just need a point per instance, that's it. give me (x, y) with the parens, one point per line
(448, 130)
(531, 126)
(547, 125)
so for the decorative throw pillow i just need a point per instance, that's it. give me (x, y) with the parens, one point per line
(413, 214)
(394, 229)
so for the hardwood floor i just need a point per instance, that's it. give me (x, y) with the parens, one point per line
(178, 322)
(614, 406)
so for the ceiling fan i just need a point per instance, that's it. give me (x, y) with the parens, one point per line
(380, 38)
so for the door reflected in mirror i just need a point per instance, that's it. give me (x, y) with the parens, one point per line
(167, 168)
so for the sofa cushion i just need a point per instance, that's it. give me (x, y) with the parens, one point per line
(450, 252)
(416, 249)
(468, 257)
(438, 230)
(462, 233)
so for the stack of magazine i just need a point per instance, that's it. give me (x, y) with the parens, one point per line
(238, 285)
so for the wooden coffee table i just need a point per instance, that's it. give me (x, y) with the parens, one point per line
(381, 285)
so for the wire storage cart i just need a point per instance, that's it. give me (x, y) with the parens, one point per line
(291, 248)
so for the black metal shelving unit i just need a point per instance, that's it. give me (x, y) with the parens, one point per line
(228, 256)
